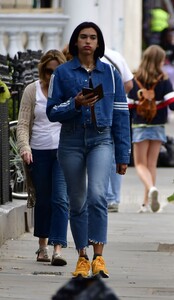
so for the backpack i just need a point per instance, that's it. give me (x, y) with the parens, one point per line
(146, 107)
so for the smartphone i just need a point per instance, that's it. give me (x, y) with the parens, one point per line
(97, 91)
(87, 91)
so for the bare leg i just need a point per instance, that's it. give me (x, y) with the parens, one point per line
(152, 157)
(57, 248)
(43, 242)
(82, 252)
(145, 158)
(42, 254)
(98, 248)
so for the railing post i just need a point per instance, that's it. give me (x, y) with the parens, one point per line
(4, 155)
(34, 40)
(52, 40)
(15, 42)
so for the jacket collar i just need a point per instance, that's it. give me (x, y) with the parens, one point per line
(76, 64)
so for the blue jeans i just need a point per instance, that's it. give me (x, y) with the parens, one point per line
(114, 187)
(51, 209)
(85, 156)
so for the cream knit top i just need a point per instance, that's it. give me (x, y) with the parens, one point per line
(26, 120)
(26, 117)
(34, 130)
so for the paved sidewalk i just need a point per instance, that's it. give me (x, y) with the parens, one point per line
(139, 254)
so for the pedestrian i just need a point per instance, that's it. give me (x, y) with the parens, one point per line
(114, 188)
(38, 140)
(115, 180)
(158, 19)
(147, 136)
(89, 126)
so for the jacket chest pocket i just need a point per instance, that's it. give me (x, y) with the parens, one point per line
(73, 86)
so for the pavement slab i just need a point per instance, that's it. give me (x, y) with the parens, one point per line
(139, 254)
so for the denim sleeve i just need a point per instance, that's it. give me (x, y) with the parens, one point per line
(121, 123)
(58, 108)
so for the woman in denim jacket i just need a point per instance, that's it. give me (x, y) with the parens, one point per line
(89, 127)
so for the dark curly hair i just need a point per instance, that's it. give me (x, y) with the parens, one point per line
(73, 50)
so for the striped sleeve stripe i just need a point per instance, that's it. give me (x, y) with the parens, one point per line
(132, 105)
(169, 96)
(132, 101)
(168, 99)
(165, 103)
(50, 90)
(121, 105)
(63, 104)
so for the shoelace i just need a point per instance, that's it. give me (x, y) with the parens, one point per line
(99, 261)
(81, 264)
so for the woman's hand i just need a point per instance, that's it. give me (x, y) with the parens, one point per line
(121, 169)
(27, 157)
(87, 100)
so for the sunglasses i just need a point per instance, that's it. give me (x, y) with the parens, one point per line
(49, 71)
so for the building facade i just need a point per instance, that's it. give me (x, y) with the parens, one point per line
(24, 25)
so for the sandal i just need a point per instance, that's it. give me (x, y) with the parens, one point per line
(58, 260)
(44, 251)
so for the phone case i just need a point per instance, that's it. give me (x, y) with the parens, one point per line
(97, 91)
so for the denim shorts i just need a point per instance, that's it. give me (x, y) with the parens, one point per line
(155, 133)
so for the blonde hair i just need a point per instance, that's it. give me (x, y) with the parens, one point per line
(151, 65)
(46, 58)
(66, 53)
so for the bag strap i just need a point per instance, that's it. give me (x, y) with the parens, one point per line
(153, 86)
(139, 83)
(158, 79)
(112, 62)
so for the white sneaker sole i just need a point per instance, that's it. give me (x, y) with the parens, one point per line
(144, 210)
(155, 206)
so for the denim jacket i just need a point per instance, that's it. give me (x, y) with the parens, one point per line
(111, 111)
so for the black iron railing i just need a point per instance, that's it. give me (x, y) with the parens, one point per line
(16, 73)
(5, 194)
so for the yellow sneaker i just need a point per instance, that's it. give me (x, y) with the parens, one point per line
(99, 267)
(82, 268)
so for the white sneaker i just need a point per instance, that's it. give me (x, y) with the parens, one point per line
(153, 199)
(144, 209)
